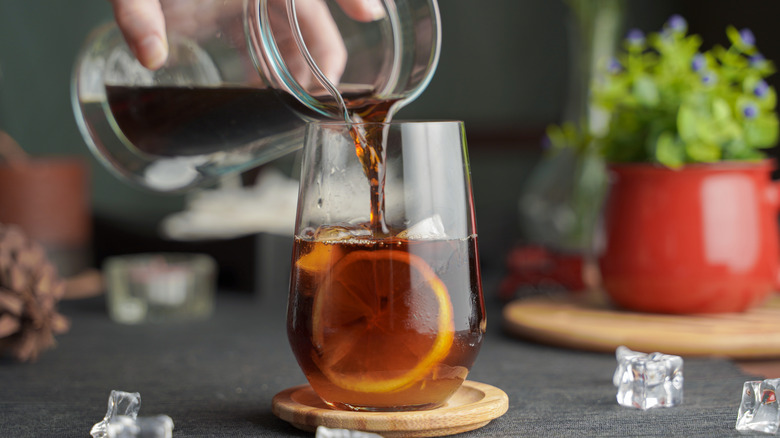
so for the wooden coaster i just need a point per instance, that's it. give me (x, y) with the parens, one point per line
(588, 322)
(472, 406)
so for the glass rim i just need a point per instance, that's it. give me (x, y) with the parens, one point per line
(390, 123)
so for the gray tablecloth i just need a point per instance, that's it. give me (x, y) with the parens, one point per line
(217, 378)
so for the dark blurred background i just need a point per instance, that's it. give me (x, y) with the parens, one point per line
(505, 69)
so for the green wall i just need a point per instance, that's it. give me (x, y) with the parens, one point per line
(503, 68)
(39, 41)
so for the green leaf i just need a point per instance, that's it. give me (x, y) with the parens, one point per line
(736, 40)
(645, 91)
(726, 131)
(555, 134)
(687, 123)
(768, 102)
(669, 152)
(738, 150)
(761, 132)
(733, 35)
(721, 109)
(703, 152)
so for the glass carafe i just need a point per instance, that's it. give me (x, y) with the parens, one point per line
(241, 80)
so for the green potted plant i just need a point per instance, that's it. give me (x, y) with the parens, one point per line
(689, 223)
(672, 104)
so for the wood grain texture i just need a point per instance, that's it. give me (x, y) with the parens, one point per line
(471, 407)
(587, 322)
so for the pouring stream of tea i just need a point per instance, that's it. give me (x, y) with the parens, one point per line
(369, 144)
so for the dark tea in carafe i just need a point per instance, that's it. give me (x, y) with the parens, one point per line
(172, 121)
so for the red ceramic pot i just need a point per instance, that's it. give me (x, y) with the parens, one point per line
(49, 199)
(700, 239)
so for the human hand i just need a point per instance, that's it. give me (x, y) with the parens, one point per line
(143, 27)
(142, 23)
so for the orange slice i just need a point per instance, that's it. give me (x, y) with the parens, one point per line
(381, 322)
(318, 259)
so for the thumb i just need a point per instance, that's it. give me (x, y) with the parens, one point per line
(143, 27)
(363, 10)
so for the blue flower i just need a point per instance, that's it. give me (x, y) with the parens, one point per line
(635, 37)
(677, 23)
(614, 66)
(747, 37)
(699, 62)
(708, 78)
(750, 111)
(761, 89)
(757, 60)
(546, 142)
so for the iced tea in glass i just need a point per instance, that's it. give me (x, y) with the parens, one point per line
(385, 310)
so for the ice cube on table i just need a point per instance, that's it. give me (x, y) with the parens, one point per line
(122, 426)
(122, 420)
(325, 432)
(427, 229)
(647, 381)
(126, 404)
(160, 426)
(758, 411)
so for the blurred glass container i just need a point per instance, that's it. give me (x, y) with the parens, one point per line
(562, 200)
(160, 287)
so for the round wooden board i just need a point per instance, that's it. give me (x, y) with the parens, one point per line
(587, 322)
(472, 406)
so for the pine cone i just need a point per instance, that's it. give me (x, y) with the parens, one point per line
(29, 291)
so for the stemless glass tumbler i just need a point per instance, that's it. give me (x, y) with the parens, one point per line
(385, 310)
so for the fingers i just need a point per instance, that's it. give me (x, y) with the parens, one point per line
(363, 10)
(143, 26)
(322, 38)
